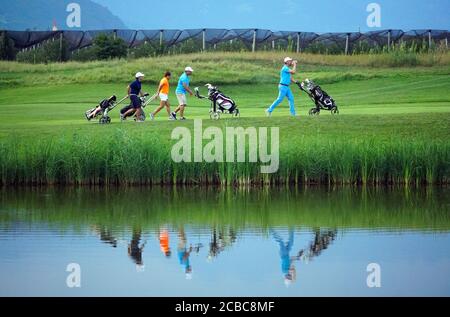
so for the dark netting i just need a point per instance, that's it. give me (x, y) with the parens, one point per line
(424, 35)
(339, 39)
(246, 35)
(133, 38)
(214, 36)
(91, 35)
(381, 38)
(24, 39)
(76, 39)
(189, 34)
(128, 36)
(150, 35)
(170, 37)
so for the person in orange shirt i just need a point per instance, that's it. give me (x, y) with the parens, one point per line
(164, 242)
(163, 93)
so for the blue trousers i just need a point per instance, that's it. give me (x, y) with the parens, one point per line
(284, 91)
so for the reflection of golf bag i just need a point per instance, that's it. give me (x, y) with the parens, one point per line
(219, 102)
(320, 98)
(145, 100)
(106, 106)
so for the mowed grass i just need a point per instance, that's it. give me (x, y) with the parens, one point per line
(392, 128)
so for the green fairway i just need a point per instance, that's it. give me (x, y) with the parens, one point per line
(396, 119)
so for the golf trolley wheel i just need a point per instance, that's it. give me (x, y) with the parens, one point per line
(214, 116)
(104, 120)
(237, 113)
(314, 112)
(334, 110)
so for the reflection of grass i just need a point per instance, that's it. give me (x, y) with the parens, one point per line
(371, 208)
(392, 126)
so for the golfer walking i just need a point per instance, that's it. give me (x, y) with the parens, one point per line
(163, 93)
(182, 89)
(134, 92)
(283, 88)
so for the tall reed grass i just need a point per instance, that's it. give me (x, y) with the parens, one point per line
(124, 159)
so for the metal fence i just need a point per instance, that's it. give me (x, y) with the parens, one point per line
(252, 37)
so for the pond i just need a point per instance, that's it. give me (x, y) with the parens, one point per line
(166, 241)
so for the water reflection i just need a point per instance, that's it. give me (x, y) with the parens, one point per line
(176, 232)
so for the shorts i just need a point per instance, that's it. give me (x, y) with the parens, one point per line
(163, 97)
(135, 101)
(182, 100)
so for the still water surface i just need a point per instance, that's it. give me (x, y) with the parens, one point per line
(216, 242)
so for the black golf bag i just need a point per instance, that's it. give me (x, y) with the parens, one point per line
(320, 98)
(106, 105)
(220, 103)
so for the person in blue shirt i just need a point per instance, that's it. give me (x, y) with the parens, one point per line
(135, 92)
(181, 91)
(283, 88)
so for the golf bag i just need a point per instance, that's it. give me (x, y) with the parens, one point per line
(220, 103)
(145, 101)
(106, 105)
(320, 98)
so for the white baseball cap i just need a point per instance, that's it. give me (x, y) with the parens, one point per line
(287, 59)
(188, 69)
(139, 74)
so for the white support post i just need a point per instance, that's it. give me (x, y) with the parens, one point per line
(204, 40)
(254, 41)
(161, 37)
(298, 43)
(389, 40)
(273, 45)
(61, 47)
(429, 40)
(347, 39)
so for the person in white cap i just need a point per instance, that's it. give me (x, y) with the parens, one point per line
(134, 92)
(283, 88)
(182, 89)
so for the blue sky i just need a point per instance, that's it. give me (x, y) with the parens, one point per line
(295, 15)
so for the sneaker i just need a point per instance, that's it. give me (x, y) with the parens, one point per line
(174, 115)
(172, 118)
(152, 116)
(269, 114)
(182, 118)
(139, 120)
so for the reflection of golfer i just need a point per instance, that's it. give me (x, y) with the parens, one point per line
(135, 248)
(184, 253)
(164, 242)
(283, 87)
(182, 89)
(287, 262)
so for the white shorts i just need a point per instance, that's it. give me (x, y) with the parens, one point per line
(163, 97)
(182, 100)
